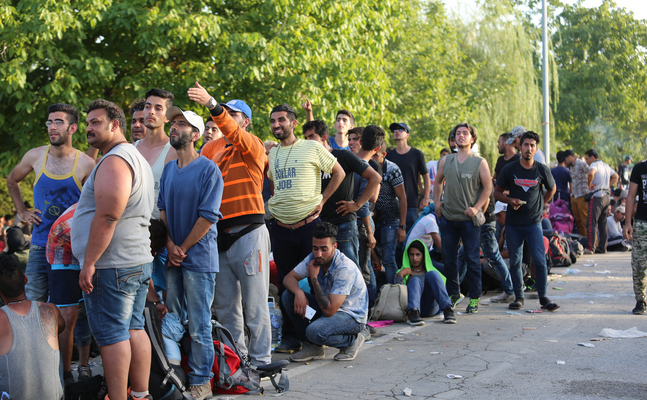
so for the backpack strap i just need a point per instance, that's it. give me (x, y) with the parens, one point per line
(402, 289)
(170, 372)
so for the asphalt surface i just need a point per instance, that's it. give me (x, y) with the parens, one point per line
(499, 355)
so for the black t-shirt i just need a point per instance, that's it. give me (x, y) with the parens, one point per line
(360, 185)
(639, 177)
(525, 184)
(350, 163)
(502, 162)
(623, 173)
(411, 164)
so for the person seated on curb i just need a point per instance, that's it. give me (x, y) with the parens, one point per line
(427, 294)
(29, 355)
(340, 300)
(614, 230)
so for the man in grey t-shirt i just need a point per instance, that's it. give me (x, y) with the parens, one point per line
(110, 239)
(600, 178)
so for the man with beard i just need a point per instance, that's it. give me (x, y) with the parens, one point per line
(295, 167)
(339, 300)
(110, 238)
(60, 172)
(189, 202)
(137, 125)
(524, 180)
(156, 147)
(508, 154)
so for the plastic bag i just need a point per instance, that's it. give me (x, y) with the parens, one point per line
(628, 334)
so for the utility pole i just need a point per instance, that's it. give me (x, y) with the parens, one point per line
(546, 119)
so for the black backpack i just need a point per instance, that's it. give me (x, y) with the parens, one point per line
(167, 381)
(559, 250)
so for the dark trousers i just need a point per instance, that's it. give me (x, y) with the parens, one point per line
(596, 222)
(290, 247)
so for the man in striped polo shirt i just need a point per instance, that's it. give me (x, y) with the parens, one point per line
(243, 239)
(295, 168)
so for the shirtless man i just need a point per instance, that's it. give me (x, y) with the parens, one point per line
(60, 172)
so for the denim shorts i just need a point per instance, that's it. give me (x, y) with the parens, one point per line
(116, 304)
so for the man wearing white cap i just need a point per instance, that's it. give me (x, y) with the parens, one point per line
(189, 202)
(614, 230)
(515, 139)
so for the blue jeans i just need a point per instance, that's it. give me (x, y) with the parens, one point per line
(535, 238)
(452, 232)
(192, 292)
(338, 331)
(116, 304)
(412, 216)
(388, 237)
(348, 241)
(490, 249)
(82, 334)
(37, 288)
(430, 296)
(365, 263)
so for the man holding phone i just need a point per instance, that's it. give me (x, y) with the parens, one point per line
(339, 306)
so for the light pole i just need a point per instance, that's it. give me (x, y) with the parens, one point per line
(546, 118)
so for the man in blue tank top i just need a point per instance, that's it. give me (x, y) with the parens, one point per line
(60, 172)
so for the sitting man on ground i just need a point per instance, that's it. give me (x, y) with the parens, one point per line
(427, 294)
(340, 300)
(614, 230)
(29, 356)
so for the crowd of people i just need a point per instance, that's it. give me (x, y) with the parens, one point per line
(194, 230)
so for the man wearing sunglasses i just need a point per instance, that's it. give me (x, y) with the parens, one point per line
(60, 172)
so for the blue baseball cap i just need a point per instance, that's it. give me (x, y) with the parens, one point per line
(239, 106)
(397, 125)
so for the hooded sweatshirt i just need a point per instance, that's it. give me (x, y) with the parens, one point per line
(428, 265)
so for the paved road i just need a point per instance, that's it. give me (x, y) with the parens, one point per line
(499, 355)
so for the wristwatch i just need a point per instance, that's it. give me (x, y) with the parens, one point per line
(212, 103)
(404, 227)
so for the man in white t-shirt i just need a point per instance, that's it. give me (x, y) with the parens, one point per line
(614, 230)
(426, 229)
(599, 179)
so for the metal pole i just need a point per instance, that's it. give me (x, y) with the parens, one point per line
(546, 119)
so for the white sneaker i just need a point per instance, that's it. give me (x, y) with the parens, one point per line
(503, 298)
(350, 352)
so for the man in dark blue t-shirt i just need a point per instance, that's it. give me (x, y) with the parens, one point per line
(562, 177)
(524, 180)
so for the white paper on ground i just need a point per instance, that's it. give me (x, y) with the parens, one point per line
(628, 334)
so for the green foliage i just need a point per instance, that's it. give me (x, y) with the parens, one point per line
(603, 71)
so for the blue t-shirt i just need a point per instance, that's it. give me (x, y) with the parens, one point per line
(343, 277)
(562, 176)
(334, 145)
(186, 194)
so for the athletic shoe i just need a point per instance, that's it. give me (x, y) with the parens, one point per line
(349, 353)
(473, 307)
(310, 352)
(456, 299)
(200, 392)
(516, 304)
(546, 304)
(85, 372)
(588, 252)
(371, 329)
(640, 308)
(503, 298)
(413, 316)
(288, 345)
(450, 318)
(366, 333)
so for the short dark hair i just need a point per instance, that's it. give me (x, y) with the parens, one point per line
(358, 130)
(325, 230)
(505, 136)
(469, 128)
(318, 125)
(372, 137)
(292, 115)
(8, 216)
(158, 233)
(71, 111)
(530, 135)
(444, 150)
(592, 153)
(346, 113)
(560, 156)
(137, 105)
(12, 279)
(161, 93)
(114, 112)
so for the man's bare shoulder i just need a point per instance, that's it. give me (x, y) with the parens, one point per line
(34, 155)
(48, 319)
(171, 155)
(86, 164)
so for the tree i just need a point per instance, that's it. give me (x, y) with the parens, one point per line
(601, 56)
(265, 52)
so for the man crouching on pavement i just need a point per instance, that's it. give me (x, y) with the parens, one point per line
(339, 294)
